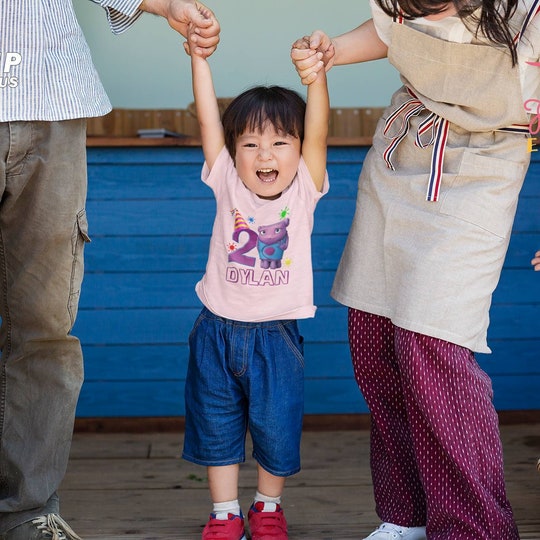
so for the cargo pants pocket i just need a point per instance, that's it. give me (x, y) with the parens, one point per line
(79, 238)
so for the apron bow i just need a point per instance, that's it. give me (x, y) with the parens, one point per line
(432, 131)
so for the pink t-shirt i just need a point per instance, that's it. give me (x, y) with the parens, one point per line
(259, 264)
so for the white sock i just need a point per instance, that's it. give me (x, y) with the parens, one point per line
(269, 502)
(223, 509)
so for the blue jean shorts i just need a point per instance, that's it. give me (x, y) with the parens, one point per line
(244, 376)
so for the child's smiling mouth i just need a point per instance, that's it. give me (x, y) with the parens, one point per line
(267, 175)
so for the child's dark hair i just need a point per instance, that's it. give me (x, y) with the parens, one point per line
(283, 108)
(493, 20)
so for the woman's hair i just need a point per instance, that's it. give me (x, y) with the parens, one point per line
(255, 108)
(493, 21)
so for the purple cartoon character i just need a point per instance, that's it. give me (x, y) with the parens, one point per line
(273, 241)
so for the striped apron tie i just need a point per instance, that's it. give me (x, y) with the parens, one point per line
(436, 128)
(432, 131)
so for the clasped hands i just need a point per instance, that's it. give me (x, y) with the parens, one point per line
(310, 54)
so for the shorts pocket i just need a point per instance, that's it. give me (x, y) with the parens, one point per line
(293, 340)
(79, 237)
(485, 192)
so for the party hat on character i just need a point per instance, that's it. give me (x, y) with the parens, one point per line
(239, 221)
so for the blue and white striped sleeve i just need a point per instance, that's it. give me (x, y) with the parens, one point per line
(121, 13)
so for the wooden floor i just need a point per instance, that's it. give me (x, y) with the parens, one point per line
(135, 486)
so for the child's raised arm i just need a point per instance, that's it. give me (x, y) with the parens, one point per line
(314, 146)
(206, 105)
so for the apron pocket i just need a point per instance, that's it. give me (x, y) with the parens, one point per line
(485, 192)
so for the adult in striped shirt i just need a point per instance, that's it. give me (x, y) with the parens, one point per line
(48, 87)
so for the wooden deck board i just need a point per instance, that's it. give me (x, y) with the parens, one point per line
(136, 486)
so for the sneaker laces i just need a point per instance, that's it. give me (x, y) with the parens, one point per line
(217, 527)
(269, 521)
(54, 527)
(393, 531)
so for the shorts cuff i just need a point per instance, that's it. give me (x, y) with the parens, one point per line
(213, 463)
(288, 472)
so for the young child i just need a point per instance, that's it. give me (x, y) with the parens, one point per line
(436, 201)
(266, 164)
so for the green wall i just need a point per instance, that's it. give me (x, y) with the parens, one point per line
(146, 67)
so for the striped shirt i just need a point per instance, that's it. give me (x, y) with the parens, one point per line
(46, 71)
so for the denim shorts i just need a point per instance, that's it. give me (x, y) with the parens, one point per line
(242, 376)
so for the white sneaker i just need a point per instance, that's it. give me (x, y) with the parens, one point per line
(389, 531)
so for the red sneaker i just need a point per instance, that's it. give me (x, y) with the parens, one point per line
(267, 522)
(231, 528)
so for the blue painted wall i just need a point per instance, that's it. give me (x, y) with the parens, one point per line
(150, 219)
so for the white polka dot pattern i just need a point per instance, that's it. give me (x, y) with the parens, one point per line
(436, 454)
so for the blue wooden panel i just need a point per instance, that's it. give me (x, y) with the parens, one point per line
(153, 362)
(165, 398)
(163, 290)
(148, 253)
(333, 396)
(183, 181)
(145, 223)
(172, 325)
(128, 174)
(323, 360)
(150, 219)
(144, 155)
(322, 396)
(511, 356)
(113, 254)
(518, 286)
(188, 253)
(171, 173)
(141, 398)
(186, 217)
(150, 362)
(138, 182)
(516, 392)
(139, 290)
(521, 250)
(130, 290)
(122, 390)
(527, 216)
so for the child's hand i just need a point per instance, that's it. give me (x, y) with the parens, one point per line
(190, 35)
(202, 33)
(536, 261)
(310, 54)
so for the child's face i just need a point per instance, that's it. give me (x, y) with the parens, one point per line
(267, 161)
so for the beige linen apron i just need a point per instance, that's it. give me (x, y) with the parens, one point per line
(431, 266)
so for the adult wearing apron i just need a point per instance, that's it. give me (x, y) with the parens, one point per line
(436, 201)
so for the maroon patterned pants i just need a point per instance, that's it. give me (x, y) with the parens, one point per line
(436, 455)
